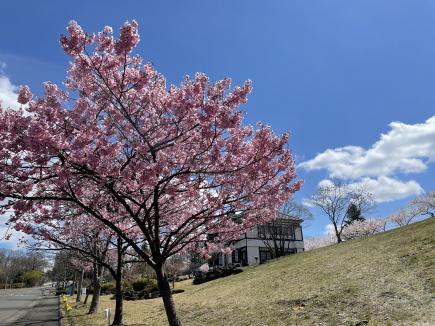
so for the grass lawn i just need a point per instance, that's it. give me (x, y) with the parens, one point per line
(386, 279)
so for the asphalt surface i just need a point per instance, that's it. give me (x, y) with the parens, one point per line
(28, 307)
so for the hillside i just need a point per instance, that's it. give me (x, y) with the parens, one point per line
(386, 279)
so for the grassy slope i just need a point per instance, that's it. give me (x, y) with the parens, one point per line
(387, 279)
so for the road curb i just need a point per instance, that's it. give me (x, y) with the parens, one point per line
(59, 312)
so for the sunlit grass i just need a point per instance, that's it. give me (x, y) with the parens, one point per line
(387, 279)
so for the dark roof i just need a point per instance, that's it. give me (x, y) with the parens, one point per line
(288, 217)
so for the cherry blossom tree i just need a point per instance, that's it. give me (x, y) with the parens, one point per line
(402, 217)
(311, 243)
(172, 163)
(174, 266)
(361, 229)
(86, 246)
(90, 243)
(424, 205)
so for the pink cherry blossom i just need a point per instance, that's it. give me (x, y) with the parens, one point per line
(360, 229)
(128, 39)
(157, 165)
(24, 95)
(204, 268)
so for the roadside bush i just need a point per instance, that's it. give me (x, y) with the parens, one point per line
(33, 278)
(127, 286)
(108, 287)
(215, 273)
(145, 284)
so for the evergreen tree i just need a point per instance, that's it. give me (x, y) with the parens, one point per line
(353, 214)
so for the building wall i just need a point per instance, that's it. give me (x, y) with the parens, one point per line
(252, 244)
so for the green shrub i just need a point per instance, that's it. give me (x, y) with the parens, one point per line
(33, 278)
(145, 284)
(108, 287)
(126, 286)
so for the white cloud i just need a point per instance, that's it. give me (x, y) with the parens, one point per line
(8, 93)
(325, 183)
(307, 202)
(329, 230)
(383, 188)
(405, 148)
(386, 189)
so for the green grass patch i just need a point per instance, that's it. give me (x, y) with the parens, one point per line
(386, 279)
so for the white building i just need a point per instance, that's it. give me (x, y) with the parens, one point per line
(280, 237)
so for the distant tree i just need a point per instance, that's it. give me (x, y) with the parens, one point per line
(311, 243)
(353, 214)
(63, 269)
(174, 266)
(277, 235)
(424, 205)
(402, 217)
(362, 228)
(334, 200)
(294, 209)
(195, 260)
(33, 278)
(15, 264)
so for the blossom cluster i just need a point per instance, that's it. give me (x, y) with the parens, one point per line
(167, 166)
(360, 229)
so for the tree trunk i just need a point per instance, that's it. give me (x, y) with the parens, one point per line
(73, 285)
(117, 319)
(337, 234)
(96, 290)
(86, 298)
(79, 289)
(165, 293)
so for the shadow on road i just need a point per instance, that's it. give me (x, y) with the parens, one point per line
(45, 312)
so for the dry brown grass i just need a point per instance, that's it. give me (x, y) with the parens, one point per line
(387, 279)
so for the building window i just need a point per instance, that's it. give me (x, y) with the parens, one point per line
(276, 230)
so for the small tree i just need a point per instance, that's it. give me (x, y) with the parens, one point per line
(336, 198)
(277, 235)
(174, 266)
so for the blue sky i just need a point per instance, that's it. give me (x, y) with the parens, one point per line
(335, 73)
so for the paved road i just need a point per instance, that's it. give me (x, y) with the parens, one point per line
(28, 307)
